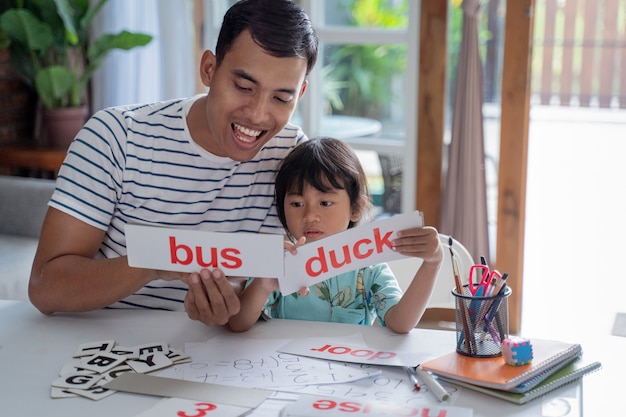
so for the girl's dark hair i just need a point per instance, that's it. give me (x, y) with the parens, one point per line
(325, 164)
(280, 27)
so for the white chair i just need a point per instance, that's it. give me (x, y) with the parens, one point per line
(440, 311)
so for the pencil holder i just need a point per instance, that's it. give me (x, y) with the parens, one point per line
(482, 323)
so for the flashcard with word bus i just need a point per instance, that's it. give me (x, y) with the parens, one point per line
(237, 254)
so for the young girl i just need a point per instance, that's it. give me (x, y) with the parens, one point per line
(321, 190)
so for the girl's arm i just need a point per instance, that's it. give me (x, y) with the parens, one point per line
(252, 300)
(254, 297)
(423, 243)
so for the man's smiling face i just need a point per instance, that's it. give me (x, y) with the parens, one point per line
(251, 98)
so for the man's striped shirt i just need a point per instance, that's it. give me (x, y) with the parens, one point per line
(138, 164)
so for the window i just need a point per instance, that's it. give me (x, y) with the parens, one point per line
(363, 88)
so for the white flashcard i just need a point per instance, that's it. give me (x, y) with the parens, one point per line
(367, 244)
(79, 380)
(91, 348)
(128, 352)
(117, 371)
(177, 356)
(70, 367)
(144, 349)
(236, 254)
(168, 387)
(263, 366)
(314, 406)
(173, 407)
(334, 349)
(56, 392)
(95, 392)
(149, 363)
(101, 362)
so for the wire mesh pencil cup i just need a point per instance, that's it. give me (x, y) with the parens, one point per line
(484, 319)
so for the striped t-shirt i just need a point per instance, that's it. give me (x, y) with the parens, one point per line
(138, 164)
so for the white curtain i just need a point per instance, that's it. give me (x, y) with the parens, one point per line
(163, 69)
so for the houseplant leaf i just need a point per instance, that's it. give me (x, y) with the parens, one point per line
(52, 84)
(28, 39)
(99, 49)
(64, 10)
(24, 27)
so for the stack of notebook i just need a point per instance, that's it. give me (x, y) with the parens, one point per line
(554, 364)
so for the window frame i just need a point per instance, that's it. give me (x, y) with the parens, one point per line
(310, 104)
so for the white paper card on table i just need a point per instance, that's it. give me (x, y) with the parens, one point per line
(393, 384)
(149, 363)
(148, 348)
(261, 366)
(91, 348)
(367, 244)
(168, 387)
(354, 351)
(56, 392)
(176, 407)
(101, 362)
(308, 406)
(81, 380)
(237, 254)
(95, 392)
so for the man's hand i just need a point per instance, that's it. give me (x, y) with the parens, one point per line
(212, 298)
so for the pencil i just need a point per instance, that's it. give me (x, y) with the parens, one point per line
(433, 385)
(490, 306)
(411, 373)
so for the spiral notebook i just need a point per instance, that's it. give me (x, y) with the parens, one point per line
(570, 372)
(495, 373)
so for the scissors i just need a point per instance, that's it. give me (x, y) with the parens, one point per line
(481, 288)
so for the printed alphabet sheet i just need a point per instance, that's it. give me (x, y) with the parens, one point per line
(265, 363)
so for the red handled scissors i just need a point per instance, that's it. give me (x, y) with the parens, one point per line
(481, 288)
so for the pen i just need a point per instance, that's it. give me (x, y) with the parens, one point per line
(411, 373)
(433, 385)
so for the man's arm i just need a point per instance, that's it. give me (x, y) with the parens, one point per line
(66, 277)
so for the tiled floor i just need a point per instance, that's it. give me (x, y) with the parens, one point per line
(574, 257)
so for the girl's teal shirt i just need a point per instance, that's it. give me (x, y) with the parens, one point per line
(357, 297)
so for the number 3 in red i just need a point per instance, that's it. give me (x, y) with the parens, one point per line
(201, 409)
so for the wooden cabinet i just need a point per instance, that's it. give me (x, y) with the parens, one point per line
(31, 161)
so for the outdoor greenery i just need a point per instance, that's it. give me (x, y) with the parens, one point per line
(51, 49)
(359, 78)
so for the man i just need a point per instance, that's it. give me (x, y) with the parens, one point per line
(202, 163)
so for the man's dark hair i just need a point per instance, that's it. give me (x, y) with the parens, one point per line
(280, 27)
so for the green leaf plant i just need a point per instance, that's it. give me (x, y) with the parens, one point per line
(51, 49)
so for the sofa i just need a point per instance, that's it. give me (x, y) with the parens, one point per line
(23, 205)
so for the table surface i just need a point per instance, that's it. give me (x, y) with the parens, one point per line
(33, 347)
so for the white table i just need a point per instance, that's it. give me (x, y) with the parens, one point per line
(33, 347)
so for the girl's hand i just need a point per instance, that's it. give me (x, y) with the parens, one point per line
(421, 242)
(292, 247)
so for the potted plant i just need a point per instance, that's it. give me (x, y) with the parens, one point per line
(51, 49)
